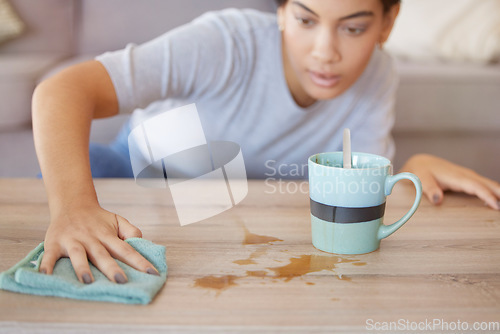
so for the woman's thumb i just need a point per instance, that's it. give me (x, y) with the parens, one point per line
(127, 230)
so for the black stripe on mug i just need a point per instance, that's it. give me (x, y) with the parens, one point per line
(344, 215)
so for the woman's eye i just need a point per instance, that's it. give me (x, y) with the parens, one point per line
(305, 22)
(354, 30)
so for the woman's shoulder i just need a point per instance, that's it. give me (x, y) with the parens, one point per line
(239, 20)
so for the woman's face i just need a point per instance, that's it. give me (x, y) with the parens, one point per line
(328, 43)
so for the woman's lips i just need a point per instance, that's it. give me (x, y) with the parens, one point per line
(324, 79)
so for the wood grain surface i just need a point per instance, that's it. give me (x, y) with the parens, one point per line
(253, 267)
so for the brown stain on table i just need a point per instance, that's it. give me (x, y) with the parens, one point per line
(245, 262)
(298, 266)
(256, 239)
(251, 259)
(256, 273)
(359, 264)
(306, 264)
(218, 283)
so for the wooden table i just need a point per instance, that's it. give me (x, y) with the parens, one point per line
(253, 267)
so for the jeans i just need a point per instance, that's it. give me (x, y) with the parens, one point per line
(112, 160)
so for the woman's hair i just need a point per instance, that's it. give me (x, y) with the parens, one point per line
(386, 3)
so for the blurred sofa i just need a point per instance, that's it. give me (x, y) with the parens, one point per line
(448, 109)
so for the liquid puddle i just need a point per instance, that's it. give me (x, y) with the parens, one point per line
(298, 266)
(245, 262)
(306, 264)
(216, 283)
(251, 259)
(255, 239)
(256, 273)
(359, 264)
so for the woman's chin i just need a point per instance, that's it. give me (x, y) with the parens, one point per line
(325, 94)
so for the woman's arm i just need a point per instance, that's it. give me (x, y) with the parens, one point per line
(438, 175)
(63, 108)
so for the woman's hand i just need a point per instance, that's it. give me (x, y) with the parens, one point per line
(438, 175)
(92, 233)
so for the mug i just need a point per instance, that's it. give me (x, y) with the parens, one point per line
(348, 205)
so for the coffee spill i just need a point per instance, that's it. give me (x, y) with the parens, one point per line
(359, 264)
(256, 273)
(255, 239)
(252, 238)
(258, 252)
(306, 264)
(217, 283)
(297, 267)
(245, 262)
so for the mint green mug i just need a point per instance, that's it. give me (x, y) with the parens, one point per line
(348, 205)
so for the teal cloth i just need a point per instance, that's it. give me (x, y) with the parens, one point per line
(140, 288)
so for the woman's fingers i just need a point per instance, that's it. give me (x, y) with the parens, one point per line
(80, 263)
(127, 254)
(431, 188)
(474, 186)
(101, 258)
(494, 186)
(50, 256)
(460, 179)
(94, 235)
(438, 175)
(488, 197)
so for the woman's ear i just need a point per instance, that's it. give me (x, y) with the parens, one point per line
(389, 19)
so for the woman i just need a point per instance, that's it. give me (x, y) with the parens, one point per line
(283, 87)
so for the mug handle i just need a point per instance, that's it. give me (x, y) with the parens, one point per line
(386, 230)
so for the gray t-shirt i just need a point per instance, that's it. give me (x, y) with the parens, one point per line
(229, 63)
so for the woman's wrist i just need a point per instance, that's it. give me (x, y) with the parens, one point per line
(74, 200)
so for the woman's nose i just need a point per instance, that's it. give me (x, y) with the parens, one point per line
(326, 48)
